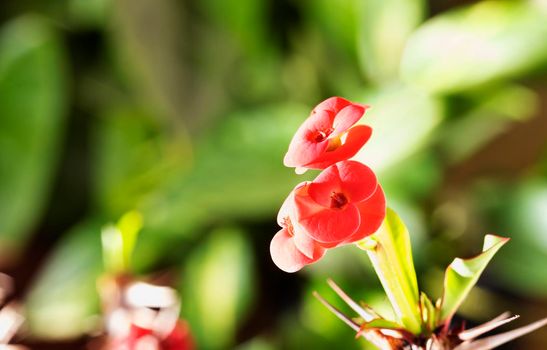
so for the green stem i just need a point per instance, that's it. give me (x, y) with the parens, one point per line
(391, 256)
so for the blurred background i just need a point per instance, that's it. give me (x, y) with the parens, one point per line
(183, 111)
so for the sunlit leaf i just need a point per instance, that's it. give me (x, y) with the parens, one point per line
(383, 28)
(478, 44)
(32, 111)
(428, 311)
(391, 255)
(64, 297)
(217, 288)
(118, 242)
(462, 274)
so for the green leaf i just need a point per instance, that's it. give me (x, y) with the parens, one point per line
(64, 298)
(32, 113)
(217, 288)
(428, 311)
(380, 323)
(390, 252)
(383, 28)
(475, 45)
(118, 242)
(462, 274)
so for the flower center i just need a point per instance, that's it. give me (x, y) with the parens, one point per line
(321, 135)
(338, 200)
(288, 224)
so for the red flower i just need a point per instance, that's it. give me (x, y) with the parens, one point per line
(343, 205)
(144, 338)
(328, 135)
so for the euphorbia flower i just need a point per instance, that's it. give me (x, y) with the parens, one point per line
(145, 338)
(328, 135)
(343, 205)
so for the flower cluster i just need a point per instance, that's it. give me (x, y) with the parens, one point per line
(141, 315)
(344, 203)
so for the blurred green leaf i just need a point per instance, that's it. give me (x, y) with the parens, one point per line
(413, 178)
(478, 44)
(384, 26)
(238, 172)
(147, 44)
(402, 120)
(133, 156)
(463, 274)
(32, 111)
(246, 21)
(217, 288)
(390, 252)
(118, 242)
(491, 116)
(521, 212)
(64, 297)
(89, 13)
(338, 22)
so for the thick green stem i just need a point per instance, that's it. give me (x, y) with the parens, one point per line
(391, 256)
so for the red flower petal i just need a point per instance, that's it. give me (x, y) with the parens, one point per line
(358, 180)
(355, 180)
(348, 116)
(179, 339)
(334, 104)
(324, 185)
(355, 139)
(285, 254)
(326, 225)
(372, 212)
(305, 146)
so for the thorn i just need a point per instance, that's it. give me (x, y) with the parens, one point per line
(351, 303)
(337, 312)
(475, 332)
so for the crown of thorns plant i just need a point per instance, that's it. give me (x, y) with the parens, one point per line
(344, 205)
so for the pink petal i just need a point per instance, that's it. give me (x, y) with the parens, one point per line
(348, 116)
(356, 138)
(305, 244)
(287, 209)
(372, 212)
(334, 104)
(285, 254)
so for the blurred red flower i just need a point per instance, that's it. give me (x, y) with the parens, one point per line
(343, 205)
(141, 338)
(328, 135)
